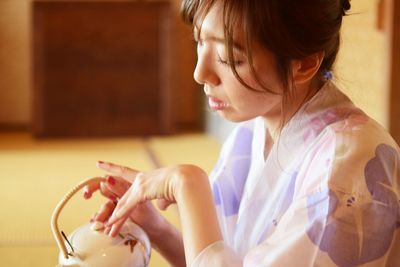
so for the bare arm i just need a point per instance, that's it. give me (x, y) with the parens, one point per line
(199, 221)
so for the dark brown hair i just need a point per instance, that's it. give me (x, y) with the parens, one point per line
(290, 29)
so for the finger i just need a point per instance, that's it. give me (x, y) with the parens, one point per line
(124, 206)
(107, 192)
(125, 172)
(105, 211)
(89, 189)
(117, 227)
(117, 185)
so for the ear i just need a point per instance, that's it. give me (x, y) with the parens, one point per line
(305, 69)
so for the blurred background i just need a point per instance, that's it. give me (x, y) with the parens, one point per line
(88, 80)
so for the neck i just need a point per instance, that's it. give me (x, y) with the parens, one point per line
(302, 93)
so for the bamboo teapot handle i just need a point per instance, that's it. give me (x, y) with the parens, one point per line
(56, 213)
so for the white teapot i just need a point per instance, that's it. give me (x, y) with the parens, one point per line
(88, 246)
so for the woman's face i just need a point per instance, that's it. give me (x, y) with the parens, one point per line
(226, 95)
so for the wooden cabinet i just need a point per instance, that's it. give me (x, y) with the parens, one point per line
(105, 68)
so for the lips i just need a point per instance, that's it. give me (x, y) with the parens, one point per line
(216, 104)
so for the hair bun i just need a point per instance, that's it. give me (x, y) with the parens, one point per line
(345, 6)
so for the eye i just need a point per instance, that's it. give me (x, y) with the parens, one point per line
(221, 61)
(227, 63)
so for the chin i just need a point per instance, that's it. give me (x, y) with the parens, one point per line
(236, 118)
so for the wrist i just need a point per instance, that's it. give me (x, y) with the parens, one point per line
(188, 178)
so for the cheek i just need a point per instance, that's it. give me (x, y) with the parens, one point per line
(243, 98)
(266, 74)
(254, 103)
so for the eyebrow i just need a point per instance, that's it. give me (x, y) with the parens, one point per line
(219, 40)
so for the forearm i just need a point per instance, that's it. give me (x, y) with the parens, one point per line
(168, 242)
(199, 220)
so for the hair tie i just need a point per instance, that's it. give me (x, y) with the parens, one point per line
(328, 75)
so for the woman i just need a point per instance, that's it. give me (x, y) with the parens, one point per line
(306, 179)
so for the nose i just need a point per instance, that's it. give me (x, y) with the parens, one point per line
(204, 72)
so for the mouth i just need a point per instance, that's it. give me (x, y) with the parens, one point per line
(216, 104)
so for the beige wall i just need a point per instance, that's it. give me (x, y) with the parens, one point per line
(361, 67)
(14, 62)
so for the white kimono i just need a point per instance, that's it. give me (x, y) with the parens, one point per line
(328, 194)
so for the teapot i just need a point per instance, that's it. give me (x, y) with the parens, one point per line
(89, 246)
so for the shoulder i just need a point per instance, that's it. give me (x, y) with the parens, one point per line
(365, 157)
(346, 146)
(331, 116)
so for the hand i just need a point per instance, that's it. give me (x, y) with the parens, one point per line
(114, 187)
(189, 187)
(160, 184)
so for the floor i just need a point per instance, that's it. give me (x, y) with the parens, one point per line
(36, 174)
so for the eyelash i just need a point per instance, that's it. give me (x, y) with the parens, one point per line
(226, 63)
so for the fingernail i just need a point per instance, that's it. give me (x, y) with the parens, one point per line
(111, 180)
(86, 194)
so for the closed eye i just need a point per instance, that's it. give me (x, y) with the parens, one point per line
(227, 63)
